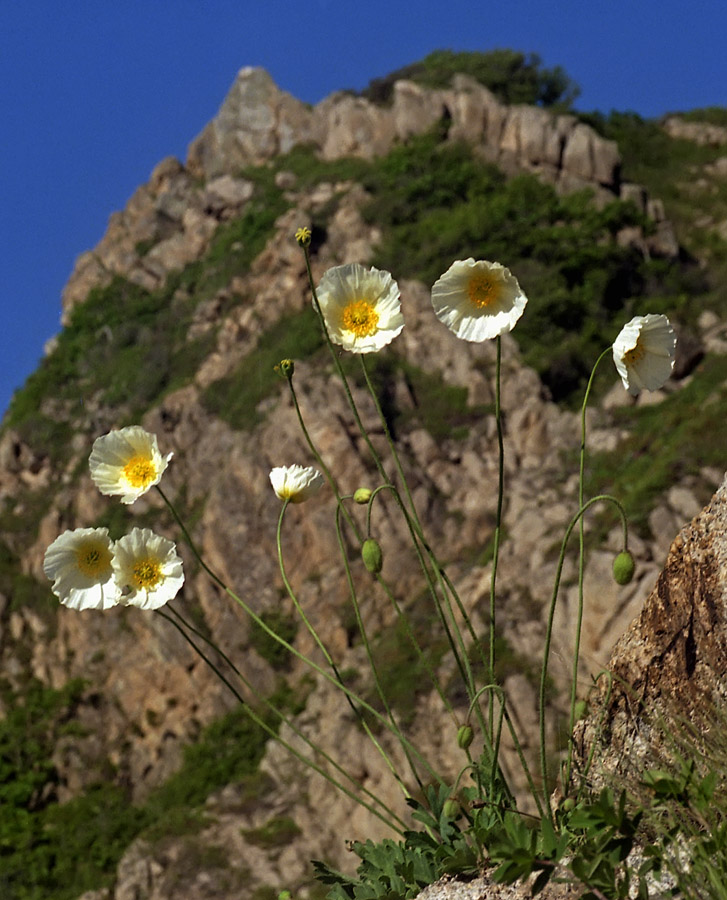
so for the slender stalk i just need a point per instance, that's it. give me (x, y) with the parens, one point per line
(549, 629)
(319, 459)
(416, 526)
(372, 664)
(397, 825)
(291, 649)
(329, 659)
(498, 517)
(342, 375)
(581, 558)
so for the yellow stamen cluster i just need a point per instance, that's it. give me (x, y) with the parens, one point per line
(636, 353)
(303, 236)
(147, 573)
(361, 318)
(139, 471)
(93, 559)
(482, 290)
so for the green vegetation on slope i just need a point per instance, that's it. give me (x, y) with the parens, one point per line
(676, 171)
(52, 851)
(512, 76)
(436, 202)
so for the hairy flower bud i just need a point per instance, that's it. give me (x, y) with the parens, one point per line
(623, 567)
(465, 736)
(371, 555)
(451, 808)
(362, 496)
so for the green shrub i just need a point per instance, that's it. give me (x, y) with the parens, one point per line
(513, 77)
(236, 398)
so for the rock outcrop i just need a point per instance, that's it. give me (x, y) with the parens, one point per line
(700, 132)
(669, 669)
(169, 221)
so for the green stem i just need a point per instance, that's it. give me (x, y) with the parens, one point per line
(319, 459)
(581, 558)
(329, 659)
(498, 518)
(372, 664)
(291, 649)
(549, 629)
(271, 732)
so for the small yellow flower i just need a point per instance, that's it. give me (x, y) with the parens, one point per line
(127, 462)
(361, 307)
(303, 236)
(478, 300)
(147, 569)
(79, 563)
(295, 483)
(643, 353)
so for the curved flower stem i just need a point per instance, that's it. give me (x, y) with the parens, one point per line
(329, 659)
(351, 695)
(395, 823)
(372, 664)
(581, 555)
(498, 516)
(495, 766)
(549, 633)
(459, 652)
(319, 459)
(445, 584)
(390, 441)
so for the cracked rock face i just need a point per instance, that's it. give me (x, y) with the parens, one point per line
(670, 667)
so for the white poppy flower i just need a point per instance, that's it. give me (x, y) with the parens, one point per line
(127, 462)
(295, 483)
(147, 569)
(79, 565)
(361, 307)
(643, 353)
(478, 300)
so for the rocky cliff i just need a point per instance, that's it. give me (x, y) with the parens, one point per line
(146, 693)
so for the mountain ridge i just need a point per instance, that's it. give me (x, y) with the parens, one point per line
(206, 282)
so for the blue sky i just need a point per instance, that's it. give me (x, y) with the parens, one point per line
(96, 92)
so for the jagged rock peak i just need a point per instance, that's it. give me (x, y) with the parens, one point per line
(170, 220)
(258, 121)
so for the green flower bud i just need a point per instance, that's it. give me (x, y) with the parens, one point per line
(623, 567)
(465, 736)
(451, 808)
(362, 495)
(581, 708)
(371, 555)
(568, 805)
(286, 367)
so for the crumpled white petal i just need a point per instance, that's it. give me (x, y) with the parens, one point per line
(643, 353)
(127, 463)
(79, 563)
(147, 569)
(295, 483)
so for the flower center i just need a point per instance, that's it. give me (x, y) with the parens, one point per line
(93, 559)
(139, 471)
(147, 573)
(361, 318)
(482, 290)
(632, 356)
